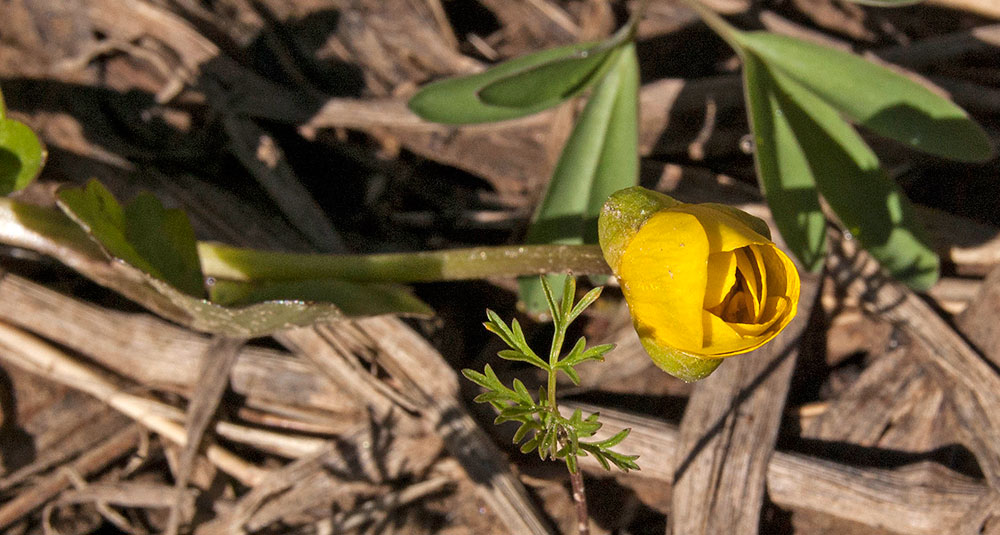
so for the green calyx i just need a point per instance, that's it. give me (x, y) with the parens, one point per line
(623, 215)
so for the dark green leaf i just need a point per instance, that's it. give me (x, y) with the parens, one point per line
(148, 237)
(784, 172)
(551, 82)
(462, 100)
(875, 97)
(596, 452)
(21, 155)
(848, 174)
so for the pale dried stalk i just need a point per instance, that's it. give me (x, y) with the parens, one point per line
(923, 499)
(46, 488)
(34, 355)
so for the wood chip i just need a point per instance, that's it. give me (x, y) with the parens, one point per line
(728, 434)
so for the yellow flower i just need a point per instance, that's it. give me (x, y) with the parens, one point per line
(702, 281)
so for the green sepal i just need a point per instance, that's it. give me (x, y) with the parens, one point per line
(684, 366)
(622, 216)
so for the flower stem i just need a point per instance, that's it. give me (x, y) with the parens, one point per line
(233, 263)
(557, 342)
(580, 500)
(726, 31)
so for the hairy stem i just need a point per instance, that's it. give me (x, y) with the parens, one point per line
(234, 263)
(580, 501)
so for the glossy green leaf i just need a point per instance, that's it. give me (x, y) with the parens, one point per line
(785, 175)
(21, 155)
(158, 241)
(353, 299)
(512, 89)
(869, 204)
(600, 157)
(887, 103)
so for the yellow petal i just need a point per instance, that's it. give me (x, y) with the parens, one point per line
(724, 339)
(721, 278)
(725, 232)
(776, 306)
(783, 278)
(746, 262)
(721, 339)
(664, 273)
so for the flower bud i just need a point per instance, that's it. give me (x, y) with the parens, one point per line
(702, 281)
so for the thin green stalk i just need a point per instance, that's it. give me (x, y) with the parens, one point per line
(557, 343)
(726, 31)
(233, 263)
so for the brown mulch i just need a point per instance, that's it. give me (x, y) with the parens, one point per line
(283, 125)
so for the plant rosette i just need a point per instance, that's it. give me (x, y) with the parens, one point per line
(702, 281)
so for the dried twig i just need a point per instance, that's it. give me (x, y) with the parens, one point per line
(923, 499)
(216, 366)
(34, 355)
(728, 434)
(46, 488)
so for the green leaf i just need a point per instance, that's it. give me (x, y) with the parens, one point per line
(522, 393)
(477, 378)
(593, 353)
(158, 241)
(587, 300)
(51, 232)
(601, 156)
(551, 82)
(572, 374)
(613, 440)
(515, 88)
(353, 299)
(497, 326)
(848, 174)
(887, 103)
(785, 175)
(21, 155)
(523, 430)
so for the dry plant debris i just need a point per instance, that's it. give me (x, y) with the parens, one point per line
(283, 125)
